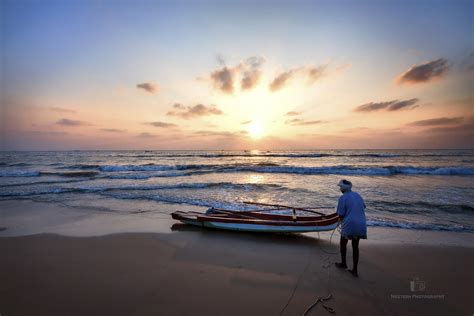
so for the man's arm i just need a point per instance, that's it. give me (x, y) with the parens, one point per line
(341, 207)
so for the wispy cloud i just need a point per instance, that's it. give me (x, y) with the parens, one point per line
(223, 79)
(215, 133)
(46, 133)
(437, 121)
(248, 71)
(393, 105)
(149, 87)
(162, 124)
(251, 72)
(197, 110)
(113, 130)
(179, 106)
(69, 122)
(61, 110)
(281, 80)
(246, 122)
(302, 122)
(316, 73)
(466, 129)
(146, 135)
(292, 113)
(312, 73)
(424, 72)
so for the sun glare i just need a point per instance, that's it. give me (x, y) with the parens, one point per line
(256, 129)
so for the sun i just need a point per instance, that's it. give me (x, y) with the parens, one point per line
(256, 129)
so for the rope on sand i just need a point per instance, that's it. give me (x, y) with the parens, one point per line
(321, 300)
(338, 227)
(296, 286)
(327, 266)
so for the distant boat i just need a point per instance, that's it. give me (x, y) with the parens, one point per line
(260, 220)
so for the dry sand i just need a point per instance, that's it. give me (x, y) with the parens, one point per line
(205, 272)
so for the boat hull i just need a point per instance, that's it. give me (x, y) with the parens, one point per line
(322, 223)
(268, 228)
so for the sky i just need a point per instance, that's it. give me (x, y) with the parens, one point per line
(205, 75)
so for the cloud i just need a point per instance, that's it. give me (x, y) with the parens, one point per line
(161, 124)
(215, 133)
(250, 79)
(149, 87)
(312, 73)
(403, 104)
(437, 121)
(113, 130)
(246, 122)
(69, 122)
(223, 79)
(467, 129)
(194, 111)
(146, 135)
(179, 106)
(46, 133)
(300, 122)
(424, 72)
(251, 72)
(393, 105)
(281, 80)
(316, 73)
(61, 110)
(292, 113)
(248, 71)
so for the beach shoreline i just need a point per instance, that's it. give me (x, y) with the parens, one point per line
(26, 217)
(146, 266)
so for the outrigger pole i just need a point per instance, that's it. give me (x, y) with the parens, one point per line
(285, 206)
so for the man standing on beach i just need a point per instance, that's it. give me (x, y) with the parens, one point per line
(351, 210)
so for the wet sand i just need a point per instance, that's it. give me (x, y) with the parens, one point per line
(205, 272)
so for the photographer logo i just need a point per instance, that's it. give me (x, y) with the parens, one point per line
(416, 285)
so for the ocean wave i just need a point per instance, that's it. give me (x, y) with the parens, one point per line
(43, 182)
(418, 226)
(419, 206)
(72, 174)
(19, 164)
(195, 201)
(275, 168)
(347, 170)
(38, 192)
(147, 167)
(102, 188)
(19, 173)
(145, 171)
(282, 155)
(81, 166)
(302, 154)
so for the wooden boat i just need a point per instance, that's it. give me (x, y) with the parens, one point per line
(287, 220)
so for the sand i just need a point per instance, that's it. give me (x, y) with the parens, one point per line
(204, 272)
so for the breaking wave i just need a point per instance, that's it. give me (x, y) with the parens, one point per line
(117, 171)
(101, 188)
(298, 154)
(418, 226)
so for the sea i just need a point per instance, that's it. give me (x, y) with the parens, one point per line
(406, 189)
